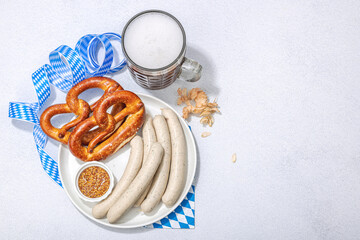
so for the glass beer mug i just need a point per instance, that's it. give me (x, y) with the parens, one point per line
(154, 45)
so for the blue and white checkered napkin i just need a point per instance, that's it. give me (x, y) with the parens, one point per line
(182, 217)
(68, 67)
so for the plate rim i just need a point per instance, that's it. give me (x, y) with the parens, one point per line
(192, 177)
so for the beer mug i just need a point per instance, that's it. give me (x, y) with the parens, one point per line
(154, 45)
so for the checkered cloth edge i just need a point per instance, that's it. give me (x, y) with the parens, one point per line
(68, 67)
(182, 217)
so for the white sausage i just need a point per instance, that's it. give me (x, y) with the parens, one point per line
(132, 168)
(149, 137)
(138, 185)
(178, 159)
(160, 180)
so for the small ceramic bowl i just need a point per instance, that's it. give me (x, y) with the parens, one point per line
(93, 164)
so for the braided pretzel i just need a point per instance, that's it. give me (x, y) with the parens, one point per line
(98, 148)
(79, 107)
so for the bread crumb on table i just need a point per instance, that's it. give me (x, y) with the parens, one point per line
(233, 158)
(205, 134)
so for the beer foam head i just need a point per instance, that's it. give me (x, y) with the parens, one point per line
(153, 40)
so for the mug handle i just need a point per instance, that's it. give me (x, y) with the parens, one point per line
(190, 70)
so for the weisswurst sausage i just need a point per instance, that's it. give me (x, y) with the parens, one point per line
(132, 168)
(178, 167)
(138, 185)
(160, 180)
(149, 137)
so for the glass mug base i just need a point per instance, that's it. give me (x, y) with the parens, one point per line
(157, 78)
(154, 82)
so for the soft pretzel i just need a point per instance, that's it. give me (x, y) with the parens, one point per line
(79, 107)
(98, 148)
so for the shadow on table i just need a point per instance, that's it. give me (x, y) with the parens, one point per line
(122, 230)
(22, 125)
(208, 77)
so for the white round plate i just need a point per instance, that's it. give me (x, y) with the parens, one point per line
(68, 164)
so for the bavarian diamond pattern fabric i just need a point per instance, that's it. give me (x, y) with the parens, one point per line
(87, 49)
(23, 111)
(67, 68)
(182, 217)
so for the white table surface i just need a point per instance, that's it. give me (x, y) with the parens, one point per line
(287, 78)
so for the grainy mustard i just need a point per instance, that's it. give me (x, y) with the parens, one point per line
(94, 182)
